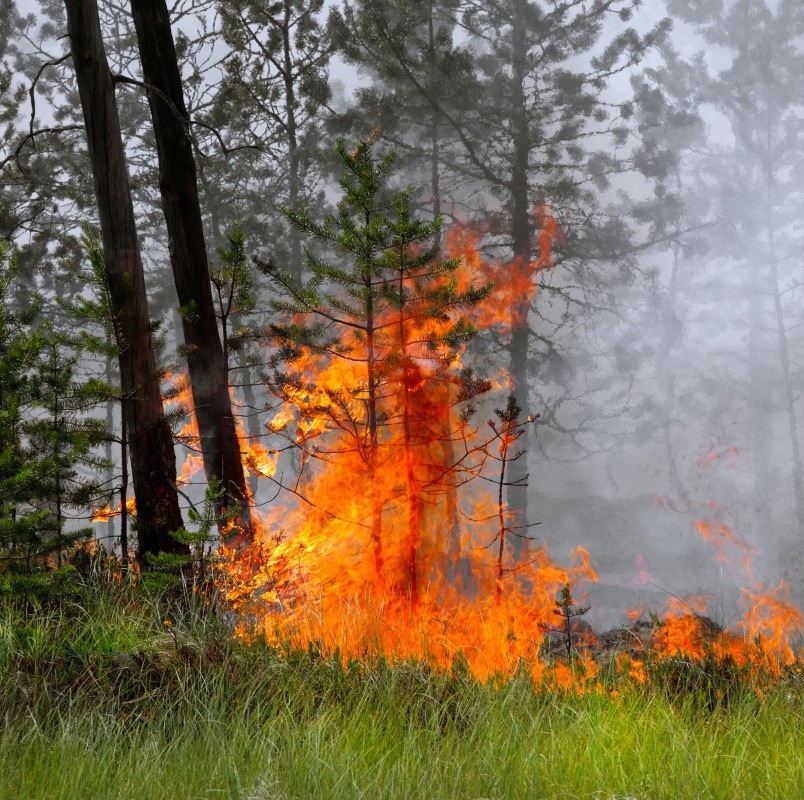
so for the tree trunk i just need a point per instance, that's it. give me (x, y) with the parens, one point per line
(294, 178)
(153, 461)
(373, 431)
(788, 389)
(208, 372)
(521, 243)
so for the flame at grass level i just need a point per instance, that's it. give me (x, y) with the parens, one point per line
(767, 632)
(426, 586)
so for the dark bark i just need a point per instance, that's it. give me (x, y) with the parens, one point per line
(291, 128)
(207, 367)
(373, 426)
(153, 461)
(521, 243)
(123, 492)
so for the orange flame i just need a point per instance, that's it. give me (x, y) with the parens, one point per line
(375, 550)
(514, 280)
(426, 586)
(681, 632)
(107, 512)
(722, 537)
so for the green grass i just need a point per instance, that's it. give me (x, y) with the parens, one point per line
(99, 699)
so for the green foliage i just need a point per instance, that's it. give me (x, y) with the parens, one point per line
(568, 611)
(46, 443)
(100, 332)
(91, 689)
(22, 524)
(101, 335)
(64, 439)
(423, 79)
(378, 281)
(269, 106)
(233, 282)
(168, 569)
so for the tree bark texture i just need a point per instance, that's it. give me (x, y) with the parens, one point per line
(521, 244)
(153, 460)
(207, 368)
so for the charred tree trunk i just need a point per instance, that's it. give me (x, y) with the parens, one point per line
(153, 461)
(373, 430)
(188, 255)
(521, 243)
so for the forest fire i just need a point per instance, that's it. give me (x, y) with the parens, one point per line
(767, 632)
(393, 536)
(381, 551)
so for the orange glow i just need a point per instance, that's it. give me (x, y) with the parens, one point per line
(179, 395)
(107, 512)
(716, 452)
(377, 551)
(681, 633)
(772, 622)
(375, 548)
(189, 469)
(515, 280)
(260, 461)
(722, 537)
(630, 668)
(645, 577)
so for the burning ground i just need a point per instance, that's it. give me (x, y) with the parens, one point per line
(393, 532)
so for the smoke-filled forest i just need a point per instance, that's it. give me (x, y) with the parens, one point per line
(401, 399)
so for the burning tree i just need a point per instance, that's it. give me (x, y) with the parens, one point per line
(371, 357)
(372, 548)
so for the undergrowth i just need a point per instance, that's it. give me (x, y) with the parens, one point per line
(121, 692)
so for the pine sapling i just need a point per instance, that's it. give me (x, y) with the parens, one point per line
(568, 611)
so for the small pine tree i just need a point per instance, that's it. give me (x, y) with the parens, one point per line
(101, 336)
(233, 285)
(203, 540)
(506, 432)
(383, 305)
(568, 611)
(62, 438)
(45, 441)
(22, 525)
(234, 294)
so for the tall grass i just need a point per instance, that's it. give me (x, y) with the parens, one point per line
(100, 699)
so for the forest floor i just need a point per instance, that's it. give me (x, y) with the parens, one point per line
(129, 694)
